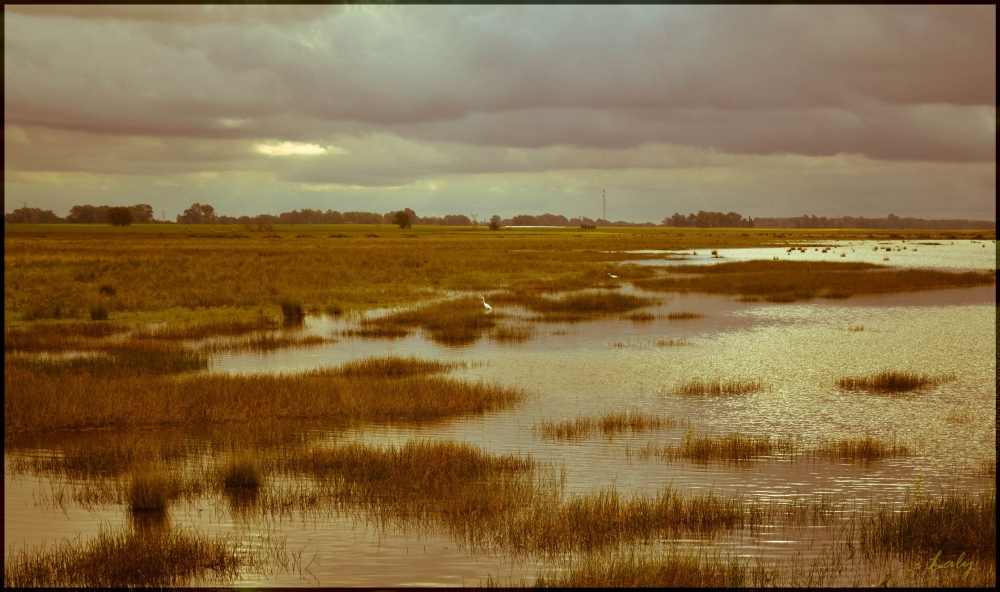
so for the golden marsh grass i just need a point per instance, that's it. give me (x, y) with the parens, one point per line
(952, 523)
(130, 358)
(351, 273)
(736, 447)
(580, 306)
(609, 424)
(38, 402)
(698, 387)
(864, 449)
(672, 569)
(460, 321)
(511, 332)
(790, 281)
(137, 558)
(892, 381)
(684, 316)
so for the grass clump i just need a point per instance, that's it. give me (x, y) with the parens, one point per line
(864, 449)
(609, 424)
(737, 447)
(952, 523)
(266, 342)
(131, 558)
(698, 387)
(453, 322)
(672, 570)
(641, 317)
(370, 329)
(684, 316)
(581, 306)
(513, 332)
(149, 491)
(242, 474)
(892, 381)
(393, 367)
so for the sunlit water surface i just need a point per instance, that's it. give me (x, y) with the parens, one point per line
(798, 350)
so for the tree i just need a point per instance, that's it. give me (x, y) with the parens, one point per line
(402, 219)
(494, 222)
(198, 214)
(120, 216)
(32, 216)
(142, 213)
(88, 214)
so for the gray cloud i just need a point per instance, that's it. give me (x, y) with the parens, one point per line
(422, 92)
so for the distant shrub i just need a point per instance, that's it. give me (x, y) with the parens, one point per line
(107, 290)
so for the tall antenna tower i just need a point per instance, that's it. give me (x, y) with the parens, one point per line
(604, 198)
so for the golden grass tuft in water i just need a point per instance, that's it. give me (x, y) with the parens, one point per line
(892, 381)
(242, 473)
(640, 317)
(513, 332)
(684, 316)
(265, 342)
(865, 449)
(736, 447)
(149, 491)
(673, 569)
(952, 523)
(394, 367)
(461, 321)
(136, 558)
(699, 387)
(609, 424)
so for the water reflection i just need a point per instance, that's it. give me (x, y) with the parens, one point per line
(945, 255)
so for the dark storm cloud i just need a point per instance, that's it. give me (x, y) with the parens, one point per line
(727, 102)
(652, 74)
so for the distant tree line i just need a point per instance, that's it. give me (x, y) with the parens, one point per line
(891, 221)
(205, 214)
(705, 219)
(88, 214)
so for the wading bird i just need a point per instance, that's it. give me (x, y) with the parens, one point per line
(488, 308)
(614, 277)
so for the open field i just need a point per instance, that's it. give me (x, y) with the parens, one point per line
(606, 431)
(58, 271)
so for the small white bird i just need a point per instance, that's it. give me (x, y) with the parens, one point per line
(488, 308)
(612, 276)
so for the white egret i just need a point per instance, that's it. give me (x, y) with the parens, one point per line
(488, 308)
(614, 277)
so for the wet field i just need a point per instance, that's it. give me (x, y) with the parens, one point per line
(794, 352)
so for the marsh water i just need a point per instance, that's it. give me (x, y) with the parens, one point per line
(797, 350)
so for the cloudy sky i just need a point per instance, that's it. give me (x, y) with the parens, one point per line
(766, 110)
